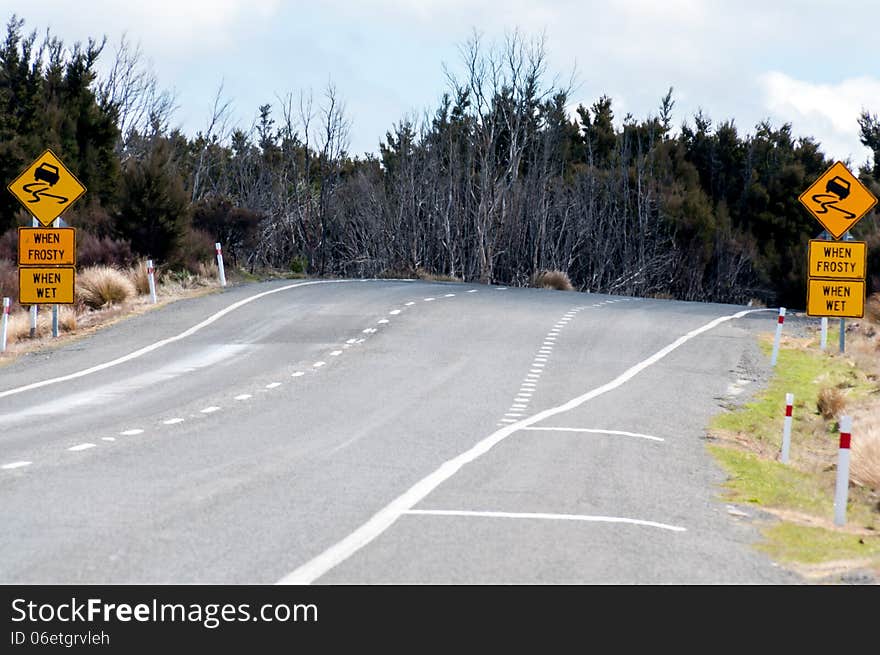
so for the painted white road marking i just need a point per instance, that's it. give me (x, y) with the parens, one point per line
(388, 515)
(82, 446)
(273, 385)
(318, 364)
(546, 517)
(449, 295)
(428, 299)
(472, 291)
(131, 433)
(350, 341)
(108, 438)
(211, 409)
(382, 321)
(336, 353)
(410, 303)
(394, 312)
(243, 396)
(369, 331)
(164, 342)
(15, 465)
(592, 431)
(297, 374)
(172, 421)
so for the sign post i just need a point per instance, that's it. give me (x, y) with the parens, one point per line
(836, 269)
(47, 255)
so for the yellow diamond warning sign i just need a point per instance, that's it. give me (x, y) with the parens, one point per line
(46, 285)
(46, 188)
(837, 298)
(837, 200)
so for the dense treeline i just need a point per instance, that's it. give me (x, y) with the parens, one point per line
(495, 184)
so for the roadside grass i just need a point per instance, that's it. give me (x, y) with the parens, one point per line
(746, 442)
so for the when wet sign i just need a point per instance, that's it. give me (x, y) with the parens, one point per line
(40, 285)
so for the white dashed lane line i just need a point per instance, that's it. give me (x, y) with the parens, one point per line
(132, 432)
(108, 438)
(429, 299)
(15, 465)
(211, 409)
(82, 446)
(243, 396)
(273, 385)
(318, 364)
(172, 421)
(297, 374)
(336, 353)
(382, 321)
(410, 303)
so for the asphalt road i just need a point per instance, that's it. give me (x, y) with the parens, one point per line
(380, 432)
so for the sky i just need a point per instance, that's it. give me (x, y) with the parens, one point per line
(812, 64)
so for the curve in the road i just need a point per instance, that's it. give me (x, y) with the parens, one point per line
(403, 504)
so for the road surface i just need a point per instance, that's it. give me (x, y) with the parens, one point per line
(379, 432)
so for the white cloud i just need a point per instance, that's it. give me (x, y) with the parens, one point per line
(827, 111)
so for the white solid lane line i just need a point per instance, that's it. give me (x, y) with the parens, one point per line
(164, 342)
(388, 515)
(172, 421)
(243, 396)
(546, 517)
(15, 465)
(82, 446)
(211, 409)
(592, 431)
(131, 433)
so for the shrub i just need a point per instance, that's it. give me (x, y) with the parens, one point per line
(830, 403)
(100, 286)
(557, 280)
(95, 251)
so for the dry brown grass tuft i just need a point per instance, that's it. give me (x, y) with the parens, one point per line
(872, 309)
(830, 403)
(139, 278)
(100, 286)
(209, 270)
(865, 450)
(557, 280)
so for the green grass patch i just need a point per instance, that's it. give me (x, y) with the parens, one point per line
(803, 373)
(766, 483)
(787, 542)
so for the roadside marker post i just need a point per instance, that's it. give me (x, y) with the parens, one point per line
(842, 339)
(841, 489)
(776, 340)
(786, 429)
(151, 278)
(5, 326)
(824, 341)
(220, 265)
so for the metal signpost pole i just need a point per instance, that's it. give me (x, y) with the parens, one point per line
(34, 223)
(55, 223)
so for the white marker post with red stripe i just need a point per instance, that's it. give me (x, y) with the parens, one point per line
(841, 489)
(5, 326)
(786, 427)
(151, 278)
(220, 264)
(779, 323)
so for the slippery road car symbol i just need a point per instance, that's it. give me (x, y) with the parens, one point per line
(837, 189)
(46, 176)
